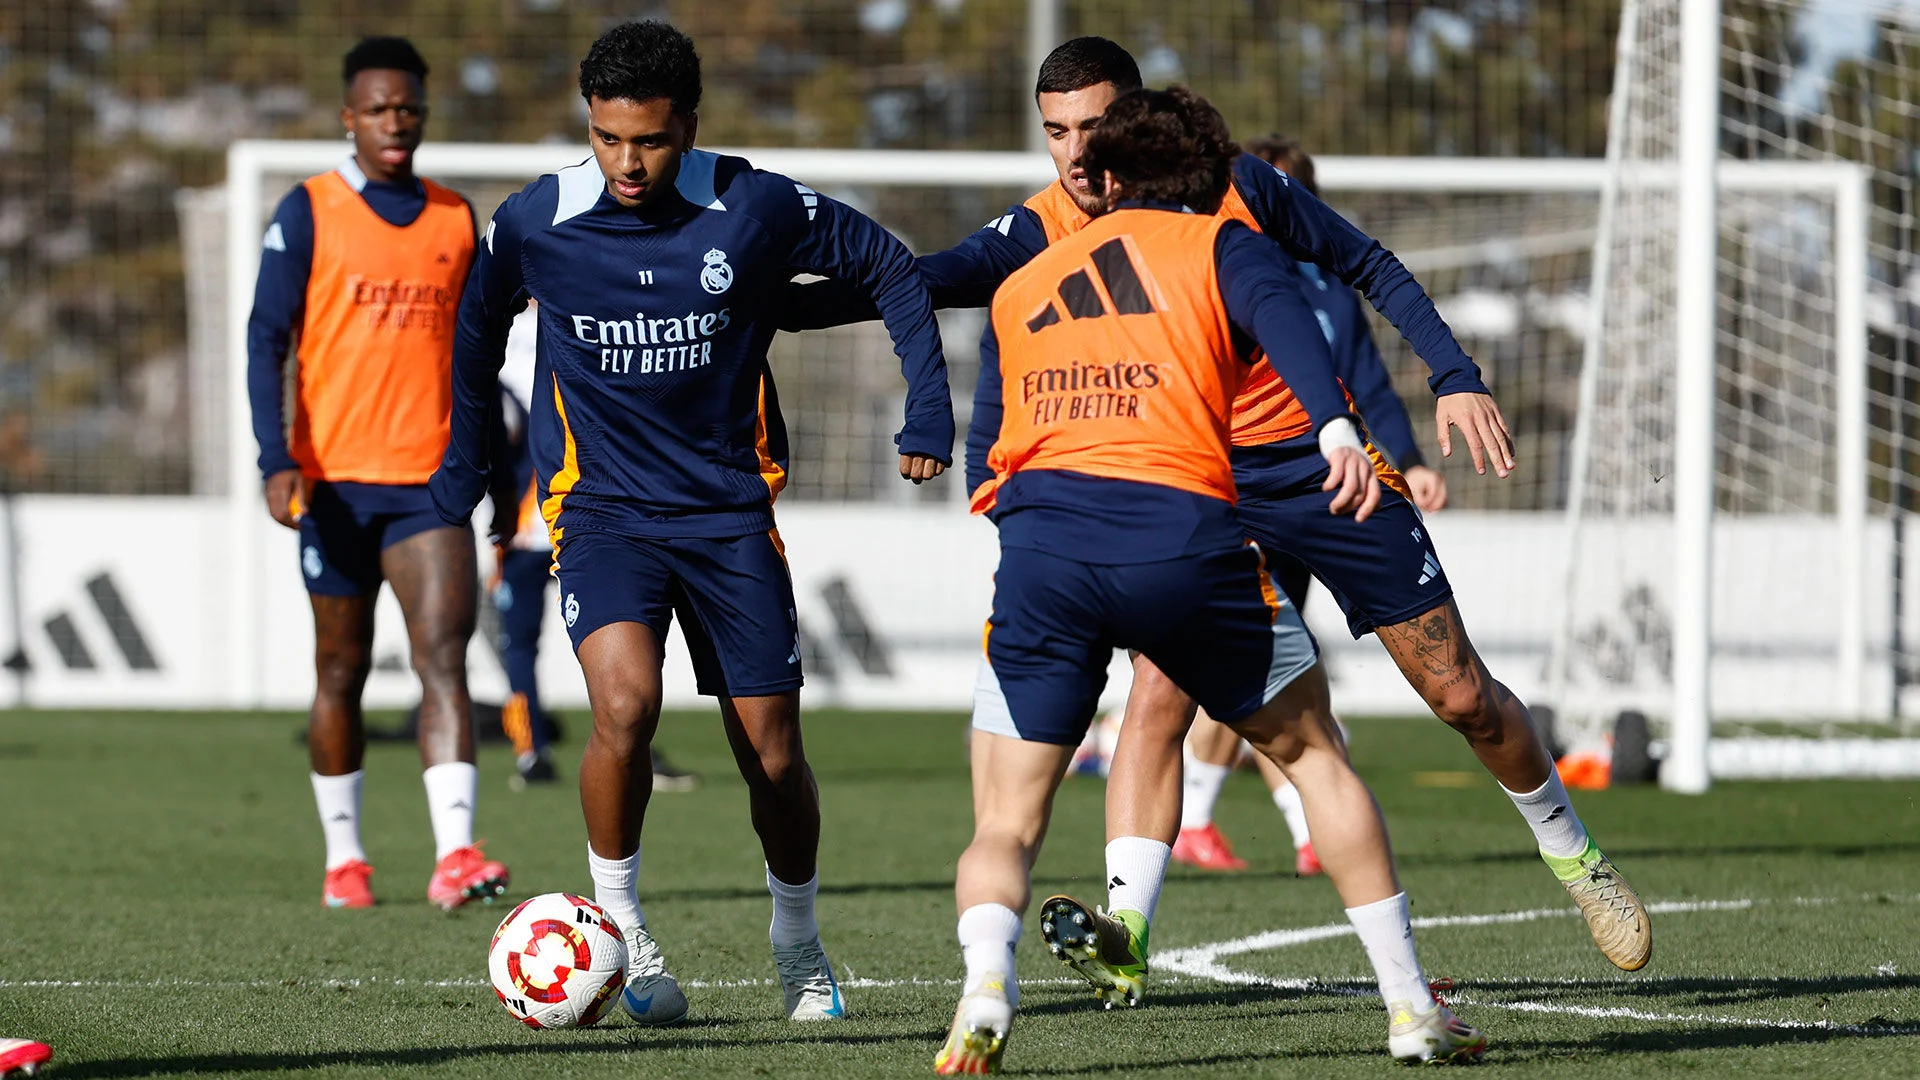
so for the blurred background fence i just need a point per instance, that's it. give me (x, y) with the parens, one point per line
(115, 115)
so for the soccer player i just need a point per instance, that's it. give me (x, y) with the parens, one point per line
(23, 1057)
(1383, 571)
(659, 271)
(1099, 448)
(1212, 747)
(523, 569)
(364, 266)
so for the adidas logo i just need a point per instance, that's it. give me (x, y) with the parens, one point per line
(1116, 882)
(1429, 569)
(1554, 816)
(443, 260)
(461, 804)
(341, 816)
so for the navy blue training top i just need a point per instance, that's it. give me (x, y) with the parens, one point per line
(967, 274)
(654, 412)
(1108, 521)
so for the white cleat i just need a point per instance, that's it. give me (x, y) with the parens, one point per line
(1431, 1034)
(806, 978)
(651, 995)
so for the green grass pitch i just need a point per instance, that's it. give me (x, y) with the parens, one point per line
(159, 916)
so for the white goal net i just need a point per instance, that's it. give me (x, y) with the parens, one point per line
(1814, 333)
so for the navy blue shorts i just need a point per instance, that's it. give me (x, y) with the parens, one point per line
(346, 526)
(1213, 623)
(1383, 570)
(734, 599)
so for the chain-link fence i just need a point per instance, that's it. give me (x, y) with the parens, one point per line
(115, 114)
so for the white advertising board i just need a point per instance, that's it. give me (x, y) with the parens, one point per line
(127, 602)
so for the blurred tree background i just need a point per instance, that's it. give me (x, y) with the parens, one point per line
(110, 108)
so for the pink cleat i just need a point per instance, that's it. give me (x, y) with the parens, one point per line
(466, 874)
(1205, 848)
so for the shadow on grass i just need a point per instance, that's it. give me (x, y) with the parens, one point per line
(705, 1035)
(1845, 851)
(1705, 991)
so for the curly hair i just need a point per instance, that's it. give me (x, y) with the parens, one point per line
(382, 54)
(640, 61)
(1167, 144)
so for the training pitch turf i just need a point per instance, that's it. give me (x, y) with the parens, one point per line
(160, 916)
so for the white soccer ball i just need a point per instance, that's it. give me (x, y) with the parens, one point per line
(557, 961)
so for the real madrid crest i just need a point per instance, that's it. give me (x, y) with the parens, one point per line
(716, 277)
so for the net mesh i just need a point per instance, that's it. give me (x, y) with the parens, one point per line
(109, 109)
(1800, 82)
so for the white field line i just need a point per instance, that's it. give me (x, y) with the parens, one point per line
(1203, 961)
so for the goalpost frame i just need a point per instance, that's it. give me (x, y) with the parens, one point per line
(250, 161)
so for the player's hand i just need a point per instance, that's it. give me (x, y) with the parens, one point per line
(920, 468)
(1429, 488)
(288, 496)
(1351, 471)
(1479, 420)
(504, 524)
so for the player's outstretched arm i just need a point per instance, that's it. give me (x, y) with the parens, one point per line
(1358, 362)
(1308, 229)
(1261, 290)
(494, 294)
(962, 276)
(279, 299)
(840, 242)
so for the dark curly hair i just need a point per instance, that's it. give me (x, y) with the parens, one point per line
(1084, 62)
(383, 54)
(1167, 144)
(640, 61)
(1287, 155)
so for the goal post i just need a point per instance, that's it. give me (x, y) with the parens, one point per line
(1495, 240)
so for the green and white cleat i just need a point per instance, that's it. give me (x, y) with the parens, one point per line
(651, 996)
(1615, 916)
(1109, 951)
(1431, 1035)
(979, 1032)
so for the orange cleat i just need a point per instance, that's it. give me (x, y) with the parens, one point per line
(23, 1057)
(347, 886)
(1305, 862)
(1205, 848)
(466, 874)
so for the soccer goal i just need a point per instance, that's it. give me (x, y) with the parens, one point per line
(1508, 249)
(1738, 477)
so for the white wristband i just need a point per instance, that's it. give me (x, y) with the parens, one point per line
(1339, 434)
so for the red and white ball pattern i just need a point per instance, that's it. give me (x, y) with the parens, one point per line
(557, 961)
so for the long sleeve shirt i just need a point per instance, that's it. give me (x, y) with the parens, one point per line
(654, 412)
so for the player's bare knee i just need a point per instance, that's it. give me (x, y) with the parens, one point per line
(341, 667)
(624, 719)
(1466, 703)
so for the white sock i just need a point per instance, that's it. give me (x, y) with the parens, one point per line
(616, 889)
(1287, 798)
(793, 922)
(1199, 789)
(1549, 812)
(1136, 868)
(451, 791)
(338, 799)
(988, 933)
(1387, 933)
